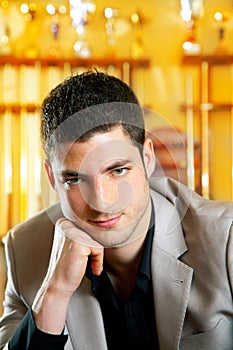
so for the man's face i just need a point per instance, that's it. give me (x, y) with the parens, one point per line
(103, 187)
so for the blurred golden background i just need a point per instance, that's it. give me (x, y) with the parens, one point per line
(177, 55)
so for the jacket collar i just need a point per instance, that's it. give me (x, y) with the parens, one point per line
(168, 230)
(84, 320)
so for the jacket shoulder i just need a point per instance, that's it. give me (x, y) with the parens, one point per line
(35, 225)
(187, 201)
(27, 249)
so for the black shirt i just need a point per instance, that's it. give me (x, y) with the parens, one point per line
(129, 325)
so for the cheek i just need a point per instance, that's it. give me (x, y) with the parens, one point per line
(140, 190)
(71, 199)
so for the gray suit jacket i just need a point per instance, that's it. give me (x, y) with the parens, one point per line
(192, 273)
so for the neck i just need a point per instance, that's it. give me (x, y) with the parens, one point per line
(122, 262)
(121, 265)
(124, 258)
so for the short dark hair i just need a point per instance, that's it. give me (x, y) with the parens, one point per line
(92, 102)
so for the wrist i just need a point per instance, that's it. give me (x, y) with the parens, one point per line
(50, 309)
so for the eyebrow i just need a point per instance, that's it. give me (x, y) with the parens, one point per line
(118, 164)
(67, 173)
(73, 173)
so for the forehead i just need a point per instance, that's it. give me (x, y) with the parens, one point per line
(101, 149)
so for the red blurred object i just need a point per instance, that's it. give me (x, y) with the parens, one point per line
(170, 146)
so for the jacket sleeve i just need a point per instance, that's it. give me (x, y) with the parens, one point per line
(27, 336)
(14, 307)
(17, 327)
(230, 257)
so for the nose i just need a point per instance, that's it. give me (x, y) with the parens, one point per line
(104, 195)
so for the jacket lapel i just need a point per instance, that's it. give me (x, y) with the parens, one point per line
(171, 287)
(84, 320)
(171, 277)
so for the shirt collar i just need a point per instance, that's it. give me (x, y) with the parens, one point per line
(145, 265)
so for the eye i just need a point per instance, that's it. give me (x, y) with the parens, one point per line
(73, 181)
(120, 172)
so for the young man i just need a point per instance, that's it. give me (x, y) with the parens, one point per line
(118, 263)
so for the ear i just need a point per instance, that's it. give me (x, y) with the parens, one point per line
(49, 172)
(149, 157)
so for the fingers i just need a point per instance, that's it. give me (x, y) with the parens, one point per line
(97, 257)
(88, 246)
(70, 230)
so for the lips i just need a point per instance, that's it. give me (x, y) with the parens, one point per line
(106, 223)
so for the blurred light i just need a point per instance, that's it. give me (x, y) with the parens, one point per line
(5, 39)
(187, 46)
(135, 18)
(218, 16)
(77, 46)
(24, 8)
(186, 12)
(62, 9)
(76, 13)
(8, 171)
(75, 3)
(205, 180)
(91, 7)
(108, 12)
(190, 47)
(80, 29)
(8, 175)
(50, 9)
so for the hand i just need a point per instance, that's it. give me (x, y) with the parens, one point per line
(68, 261)
(71, 249)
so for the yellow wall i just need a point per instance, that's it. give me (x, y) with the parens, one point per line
(165, 89)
